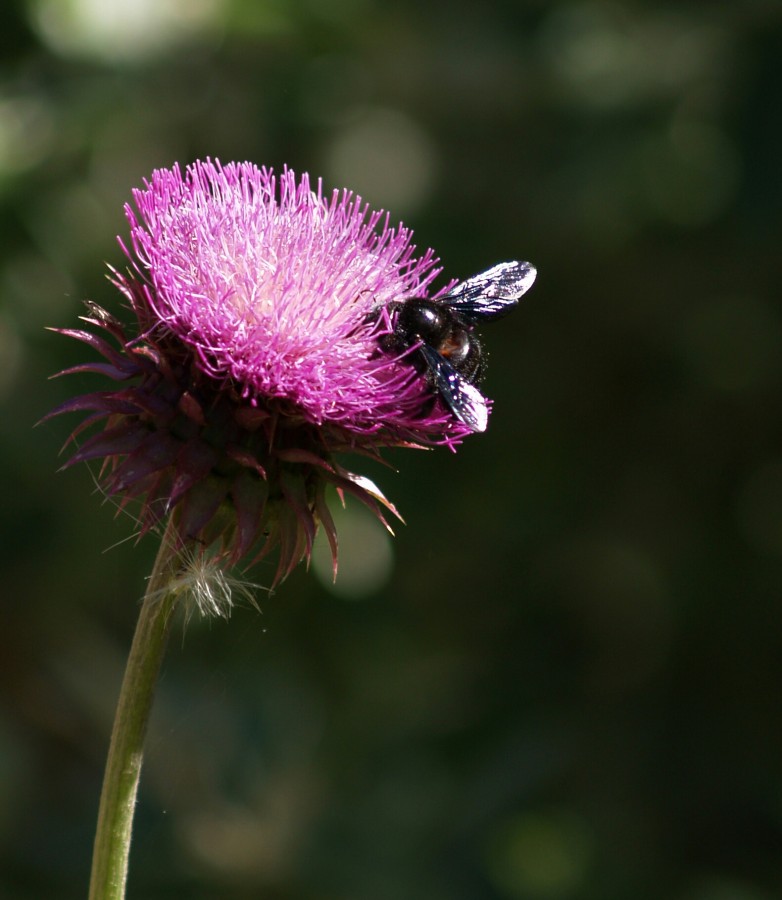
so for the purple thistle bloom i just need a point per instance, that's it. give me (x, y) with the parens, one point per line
(261, 309)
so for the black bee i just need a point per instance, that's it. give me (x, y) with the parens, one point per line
(442, 332)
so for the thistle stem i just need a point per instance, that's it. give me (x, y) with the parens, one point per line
(126, 750)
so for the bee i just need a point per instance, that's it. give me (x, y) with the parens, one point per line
(442, 333)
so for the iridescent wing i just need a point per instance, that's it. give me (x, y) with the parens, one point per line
(463, 399)
(491, 294)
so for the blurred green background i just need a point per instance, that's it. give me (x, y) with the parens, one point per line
(562, 679)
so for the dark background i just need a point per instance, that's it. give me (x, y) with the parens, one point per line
(565, 684)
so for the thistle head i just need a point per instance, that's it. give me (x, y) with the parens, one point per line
(254, 359)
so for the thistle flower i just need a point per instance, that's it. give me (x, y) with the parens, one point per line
(254, 360)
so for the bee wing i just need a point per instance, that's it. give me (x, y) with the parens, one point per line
(463, 399)
(492, 293)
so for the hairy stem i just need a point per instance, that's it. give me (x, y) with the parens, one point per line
(126, 750)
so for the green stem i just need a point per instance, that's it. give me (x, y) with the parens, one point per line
(126, 750)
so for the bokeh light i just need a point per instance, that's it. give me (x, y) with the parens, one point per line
(124, 30)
